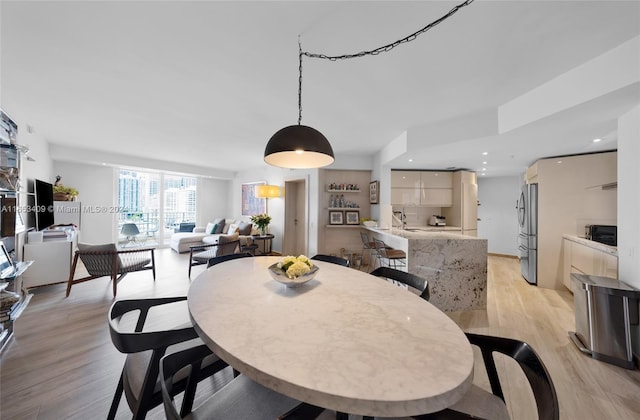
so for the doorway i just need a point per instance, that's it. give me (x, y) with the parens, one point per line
(295, 217)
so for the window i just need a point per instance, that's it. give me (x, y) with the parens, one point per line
(156, 203)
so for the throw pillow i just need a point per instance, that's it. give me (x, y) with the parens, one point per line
(211, 228)
(233, 228)
(219, 225)
(245, 228)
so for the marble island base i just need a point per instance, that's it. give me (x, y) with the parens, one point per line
(455, 265)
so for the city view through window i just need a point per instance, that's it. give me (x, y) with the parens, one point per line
(154, 205)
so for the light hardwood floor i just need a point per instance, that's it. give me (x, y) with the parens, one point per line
(62, 365)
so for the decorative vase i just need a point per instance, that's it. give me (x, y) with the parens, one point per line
(263, 230)
(62, 197)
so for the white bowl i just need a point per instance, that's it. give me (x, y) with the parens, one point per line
(280, 276)
(370, 223)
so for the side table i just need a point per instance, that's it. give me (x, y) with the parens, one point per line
(266, 243)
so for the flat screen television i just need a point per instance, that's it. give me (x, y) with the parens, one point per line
(44, 204)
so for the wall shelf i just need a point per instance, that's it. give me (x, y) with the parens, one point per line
(344, 226)
(343, 208)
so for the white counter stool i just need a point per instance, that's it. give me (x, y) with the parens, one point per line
(393, 256)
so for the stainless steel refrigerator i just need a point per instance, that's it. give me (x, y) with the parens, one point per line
(527, 208)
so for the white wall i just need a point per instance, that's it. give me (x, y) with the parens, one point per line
(96, 186)
(629, 206)
(568, 199)
(497, 213)
(213, 200)
(275, 206)
(629, 197)
(38, 150)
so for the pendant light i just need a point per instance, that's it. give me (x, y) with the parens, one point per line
(303, 147)
(299, 146)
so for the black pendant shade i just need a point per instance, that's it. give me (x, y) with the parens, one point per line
(302, 147)
(298, 147)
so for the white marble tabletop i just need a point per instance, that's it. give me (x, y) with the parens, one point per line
(346, 340)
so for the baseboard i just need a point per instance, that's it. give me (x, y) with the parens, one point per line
(493, 254)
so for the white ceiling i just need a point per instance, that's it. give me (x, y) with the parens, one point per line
(207, 83)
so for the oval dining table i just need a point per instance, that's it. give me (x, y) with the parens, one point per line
(345, 341)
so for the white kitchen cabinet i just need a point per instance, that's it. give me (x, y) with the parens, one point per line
(422, 188)
(464, 209)
(405, 196)
(436, 197)
(406, 179)
(584, 259)
(437, 189)
(437, 179)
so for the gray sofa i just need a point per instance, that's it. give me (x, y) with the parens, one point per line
(209, 234)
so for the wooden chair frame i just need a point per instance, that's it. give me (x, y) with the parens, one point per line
(112, 258)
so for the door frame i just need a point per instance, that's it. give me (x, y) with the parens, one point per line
(288, 184)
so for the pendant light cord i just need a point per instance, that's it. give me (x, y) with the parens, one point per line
(385, 48)
(300, 54)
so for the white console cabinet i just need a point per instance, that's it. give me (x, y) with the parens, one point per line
(51, 262)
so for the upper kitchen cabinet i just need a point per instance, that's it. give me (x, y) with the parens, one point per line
(406, 196)
(406, 179)
(437, 189)
(422, 188)
(436, 179)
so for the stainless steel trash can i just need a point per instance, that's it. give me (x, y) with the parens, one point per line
(605, 309)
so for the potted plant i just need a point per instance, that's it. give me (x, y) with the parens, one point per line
(261, 221)
(62, 193)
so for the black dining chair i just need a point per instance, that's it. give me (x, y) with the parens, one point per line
(241, 398)
(223, 258)
(145, 340)
(416, 282)
(331, 259)
(478, 403)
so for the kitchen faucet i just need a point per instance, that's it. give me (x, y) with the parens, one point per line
(402, 220)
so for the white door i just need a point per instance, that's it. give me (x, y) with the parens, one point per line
(295, 218)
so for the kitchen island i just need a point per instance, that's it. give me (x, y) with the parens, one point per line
(454, 264)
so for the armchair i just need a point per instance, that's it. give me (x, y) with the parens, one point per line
(106, 260)
(201, 254)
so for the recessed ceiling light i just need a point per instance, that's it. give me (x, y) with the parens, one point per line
(597, 140)
(485, 153)
(484, 163)
(410, 160)
(484, 169)
(559, 161)
(483, 174)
